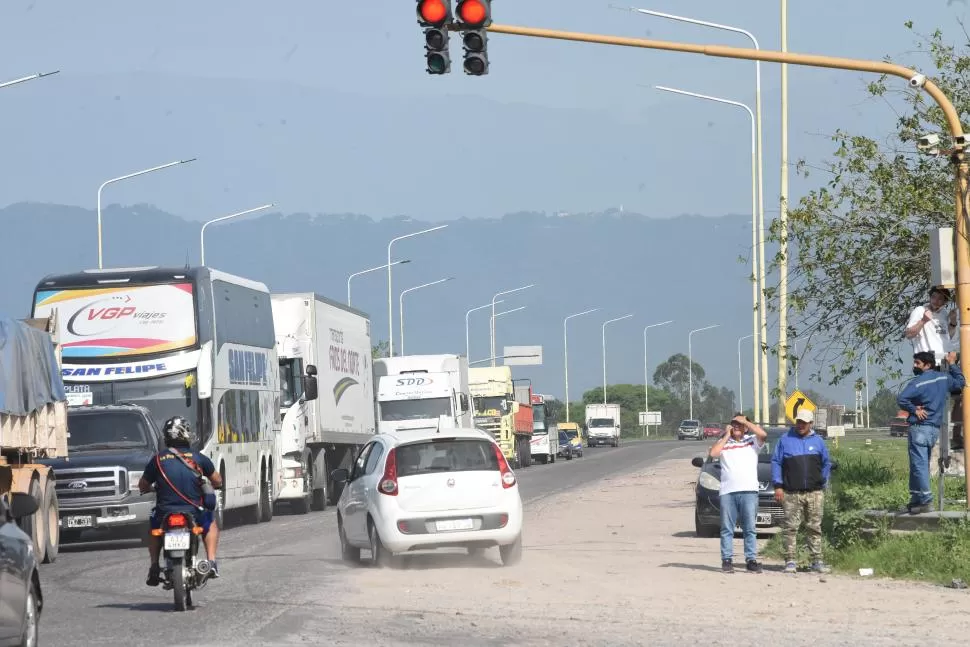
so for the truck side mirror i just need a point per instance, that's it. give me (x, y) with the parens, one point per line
(463, 402)
(309, 387)
(311, 369)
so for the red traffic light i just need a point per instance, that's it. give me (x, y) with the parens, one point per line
(433, 12)
(474, 13)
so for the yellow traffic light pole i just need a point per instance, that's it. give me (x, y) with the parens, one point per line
(915, 79)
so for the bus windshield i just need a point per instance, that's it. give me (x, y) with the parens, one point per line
(164, 397)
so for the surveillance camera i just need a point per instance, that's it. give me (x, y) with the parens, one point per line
(928, 141)
(918, 81)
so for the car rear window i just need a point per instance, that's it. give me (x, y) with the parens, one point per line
(446, 455)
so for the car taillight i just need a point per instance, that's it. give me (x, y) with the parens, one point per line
(388, 484)
(508, 478)
(177, 521)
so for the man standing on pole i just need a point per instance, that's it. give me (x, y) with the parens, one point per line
(933, 330)
(924, 399)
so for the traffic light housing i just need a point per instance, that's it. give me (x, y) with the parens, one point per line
(474, 17)
(435, 16)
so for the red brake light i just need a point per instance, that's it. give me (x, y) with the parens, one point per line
(508, 478)
(388, 484)
(177, 521)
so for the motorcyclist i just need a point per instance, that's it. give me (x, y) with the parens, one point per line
(188, 483)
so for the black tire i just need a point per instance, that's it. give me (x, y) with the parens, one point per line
(552, 457)
(219, 514)
(178, 584)
(52, 537)
(347, 552)
(569, 456)
(266, 496)
(512, 553)
(33, 524)
(318, 499)
(702, 530)
(380, 556)
(31, 633)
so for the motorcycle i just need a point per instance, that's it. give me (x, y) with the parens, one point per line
(184, 572)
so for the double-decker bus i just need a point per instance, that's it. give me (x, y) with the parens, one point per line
(193, 342)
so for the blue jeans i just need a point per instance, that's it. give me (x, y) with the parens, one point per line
(739, 508)
(922, 438)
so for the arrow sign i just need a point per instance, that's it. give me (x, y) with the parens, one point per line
(795, 403)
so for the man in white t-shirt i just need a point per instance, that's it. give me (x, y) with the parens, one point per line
(928, 326)
(933, 329)
(738, 451)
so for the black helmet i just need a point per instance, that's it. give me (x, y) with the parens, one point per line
(177, 431)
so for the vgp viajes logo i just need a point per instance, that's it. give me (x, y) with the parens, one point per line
(105, 314)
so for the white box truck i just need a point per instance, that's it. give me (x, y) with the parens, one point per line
(326, 393)
(603, 424)
(421, 392)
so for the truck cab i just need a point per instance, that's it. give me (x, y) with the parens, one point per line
(603, 424)
(498, 411)
(421, 391)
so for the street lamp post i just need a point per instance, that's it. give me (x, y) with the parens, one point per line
(741, 380)
(761, 347)
(467, 313)
(367, 271)
(40, 75)
(690, 367)
(119, 179)
(492, 331)
(565, 351)
(390, 297)
(646, 374)
(401, 303)
(605, 324)
(230, 216)
(758, 314)
(867, 388)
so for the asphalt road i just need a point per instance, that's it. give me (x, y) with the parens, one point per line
(279, 580)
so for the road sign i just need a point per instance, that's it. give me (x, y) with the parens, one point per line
(522, 355)
(650, 418)
(796, 402)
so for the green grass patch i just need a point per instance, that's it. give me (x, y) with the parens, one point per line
(876, 477)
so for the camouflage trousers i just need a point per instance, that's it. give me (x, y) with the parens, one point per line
(803, 507)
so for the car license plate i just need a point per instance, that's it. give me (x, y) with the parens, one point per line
(176, 541)
(454, 524)
(79, 522)
(764, 519)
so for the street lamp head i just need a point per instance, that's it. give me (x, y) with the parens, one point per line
(403, 262)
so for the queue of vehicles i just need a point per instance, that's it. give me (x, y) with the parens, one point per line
(281, 390)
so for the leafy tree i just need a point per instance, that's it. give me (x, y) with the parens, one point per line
(673, 375)
(860, 245)
(380, 350)
(883, 407)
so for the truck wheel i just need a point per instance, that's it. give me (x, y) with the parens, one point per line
(53, 534)
(266, 496)
(33, 525)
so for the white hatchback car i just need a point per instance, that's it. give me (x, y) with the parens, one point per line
(426, 489)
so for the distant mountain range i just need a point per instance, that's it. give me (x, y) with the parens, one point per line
(683, 268)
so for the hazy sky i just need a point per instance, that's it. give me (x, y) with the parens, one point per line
(375, 48)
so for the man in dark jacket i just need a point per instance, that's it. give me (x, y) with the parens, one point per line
(925, 399)
(800, 469)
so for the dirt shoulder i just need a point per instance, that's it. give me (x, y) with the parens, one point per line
(617, 563)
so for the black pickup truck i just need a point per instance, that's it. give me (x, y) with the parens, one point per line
(97, 482)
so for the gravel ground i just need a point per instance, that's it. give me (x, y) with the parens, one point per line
(616, 563)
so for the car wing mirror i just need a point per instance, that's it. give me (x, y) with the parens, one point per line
(22, 505)
(697, 462)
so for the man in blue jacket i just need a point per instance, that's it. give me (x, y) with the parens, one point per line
(800, 469)
(925, 399)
